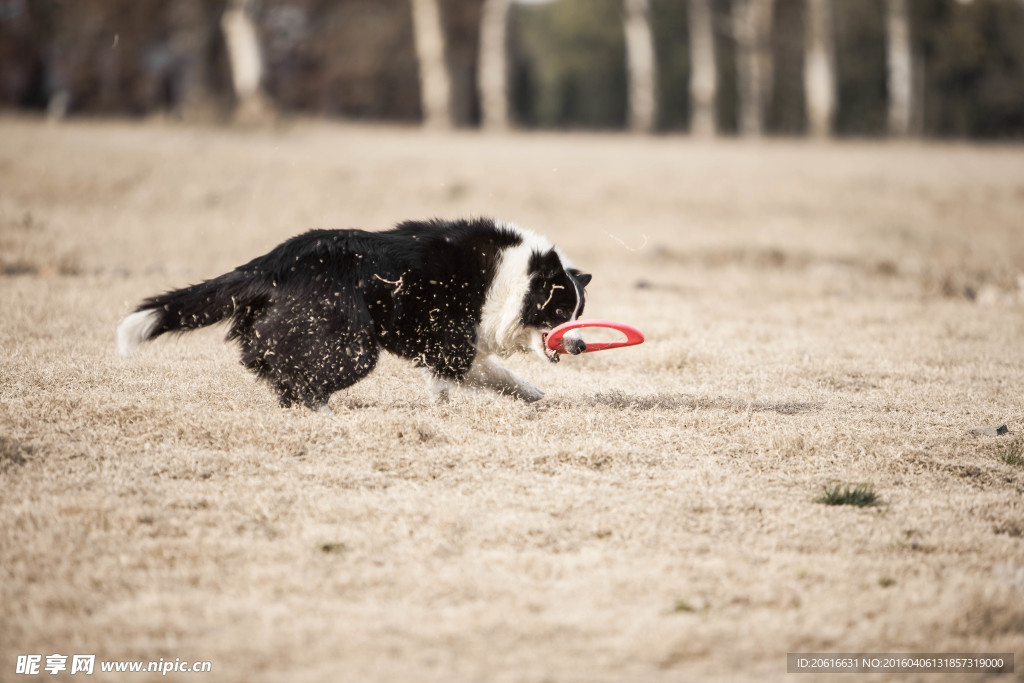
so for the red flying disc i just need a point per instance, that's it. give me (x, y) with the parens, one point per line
(633, 335)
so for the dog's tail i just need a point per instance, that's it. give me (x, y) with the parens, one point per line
(188, 309)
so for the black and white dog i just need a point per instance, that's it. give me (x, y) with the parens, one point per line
(312, 315)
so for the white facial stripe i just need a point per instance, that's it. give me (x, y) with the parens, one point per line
(579, 298)
(567, 265)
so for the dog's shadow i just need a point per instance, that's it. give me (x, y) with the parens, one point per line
(611, 399)
(360, 404)
(676, 402)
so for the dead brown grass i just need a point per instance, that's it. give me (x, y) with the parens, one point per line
(813, 316)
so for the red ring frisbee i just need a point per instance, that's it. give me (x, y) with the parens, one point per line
(633, 335)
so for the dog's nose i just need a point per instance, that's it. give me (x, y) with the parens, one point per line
(574, 345)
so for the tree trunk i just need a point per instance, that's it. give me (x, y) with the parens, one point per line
(435, 82)
(703, 70)
(642, 66)
(752, 21)
(492, 75)
(246, 64)
(193, 31)
(819, 72)
(900, 68)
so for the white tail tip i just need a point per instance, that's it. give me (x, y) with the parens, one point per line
(135, 329)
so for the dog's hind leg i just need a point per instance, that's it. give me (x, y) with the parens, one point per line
(309, 350)
(487, 374)
(318, 371)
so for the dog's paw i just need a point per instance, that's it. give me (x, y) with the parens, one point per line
(528, 393)
(439, 390)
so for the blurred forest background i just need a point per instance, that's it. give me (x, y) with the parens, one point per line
(933, 68)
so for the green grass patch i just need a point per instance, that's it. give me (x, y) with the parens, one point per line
(1014, 454)
(861, 495)
(683, 607)
(333, 548)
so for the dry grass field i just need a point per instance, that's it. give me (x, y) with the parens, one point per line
(816, 315)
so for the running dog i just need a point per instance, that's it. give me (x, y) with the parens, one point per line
(312, 316)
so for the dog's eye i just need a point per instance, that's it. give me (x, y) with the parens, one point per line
(560, 312)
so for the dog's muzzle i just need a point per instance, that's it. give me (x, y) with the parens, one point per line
(572, 343)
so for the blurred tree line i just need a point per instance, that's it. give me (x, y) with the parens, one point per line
(568, 61)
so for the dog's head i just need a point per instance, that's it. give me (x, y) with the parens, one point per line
(533, 288)
(556, 295)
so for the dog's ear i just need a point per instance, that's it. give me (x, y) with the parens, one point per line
(546, 264)
(584, 278)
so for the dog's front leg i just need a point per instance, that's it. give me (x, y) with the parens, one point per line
(439, 388)
(487, 374)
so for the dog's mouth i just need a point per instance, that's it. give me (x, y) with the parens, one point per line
(550, 354)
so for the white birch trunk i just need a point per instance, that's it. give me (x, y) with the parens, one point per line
(435, 83)
(899, 68)
(703, 70)
(752, 21)
(244, 55)
(642, 66)
(819, 71)
(492, 77)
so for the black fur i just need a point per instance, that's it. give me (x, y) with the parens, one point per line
(311, 315)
